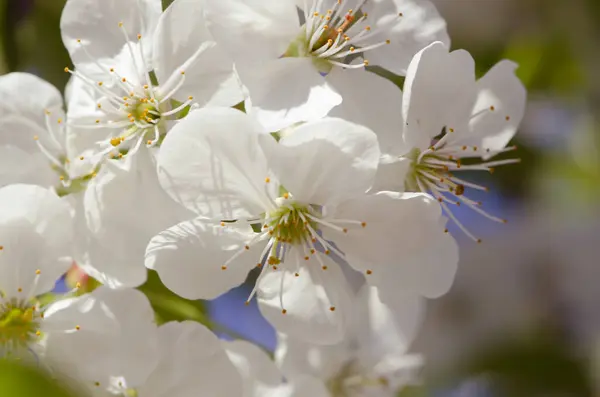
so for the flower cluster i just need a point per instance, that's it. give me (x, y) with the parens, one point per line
(218, 139)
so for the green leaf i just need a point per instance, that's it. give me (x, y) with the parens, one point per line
(169, 306)
(17, 380)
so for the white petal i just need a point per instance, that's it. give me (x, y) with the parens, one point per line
(211, 163)
(391, 174)
(439, 91)
(191, 360)
(338, 159)
(189, 258)
(372, 101)
(307, 386)
(503, 90)
(22, 116)
(397, 226)
(429, 272)
(254, 30)
(386, 325)
(287, 91)
(24, 252)
(51, 216)
(419, 26)
(116, 329)
(261, 377)
(28, 96)
(96, 25)
(317, 302)
(184, 44)
(125, 207)
(297, 358)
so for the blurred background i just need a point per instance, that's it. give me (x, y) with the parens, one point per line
(523, 318)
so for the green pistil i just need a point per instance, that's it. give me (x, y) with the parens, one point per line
(294, 229)
(18, 324)
(299, 49)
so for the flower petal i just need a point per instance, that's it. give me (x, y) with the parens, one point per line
(93, 33)
(297, 358)
(429, 272)
(503, 92)
(398, 227)
(371, 101)
(253, 30)
(212, 164)
(439, 91)
(261, 377)
(189, 258)
(184, 44)
(116, 328)
(287, 91)
(419, 26)
(338, 160)
(184, 348)
(386, 324)
(317, 302)
(125, 207)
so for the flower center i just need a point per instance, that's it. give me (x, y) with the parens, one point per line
(432, 171)
(332, 37)
(19, 325)
(289, 223)
(350, 381)
(133, 105)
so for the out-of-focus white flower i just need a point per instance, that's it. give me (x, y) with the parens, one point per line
(450, 117)
(305, 197)
(370, 361)
(118, 47)
(35, 238)
(293, 67)
(131, 60)
(136, 358)
(33, 137)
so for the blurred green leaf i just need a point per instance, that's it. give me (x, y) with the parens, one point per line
(22, 381)
(169, 306)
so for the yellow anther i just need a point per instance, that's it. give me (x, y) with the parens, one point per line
(78, 285)
(115, 141)
(35, 137)
(79, 40)
(20, 289)
(99, 106)
(124, 80)
(145, 86)
(112, 70)
(149, 142)
(400, 14)
(77, 327)
(492, 108)
(97, 122)
(267, 180)
(38, 272)
(120, 24)
(364, 224)
(190, 98)
(283, 311)
(286, 196)
(352, 49)
(62, 178)
(66, 69)
(369, 272)
(366, 62)
(332, 308)
(100, 83)
(38, 333)
(139, 36)
(388, 41)
(223, 267)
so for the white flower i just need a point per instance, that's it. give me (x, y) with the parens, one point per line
(370, 361)
(282, 59)
(137, 358)
(35, 238)
(118, 47)
(33, 137)
(448, 117)
(306, 198)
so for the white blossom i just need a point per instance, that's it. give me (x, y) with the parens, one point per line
(293, 67)
(448, 117)
(306, 198)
